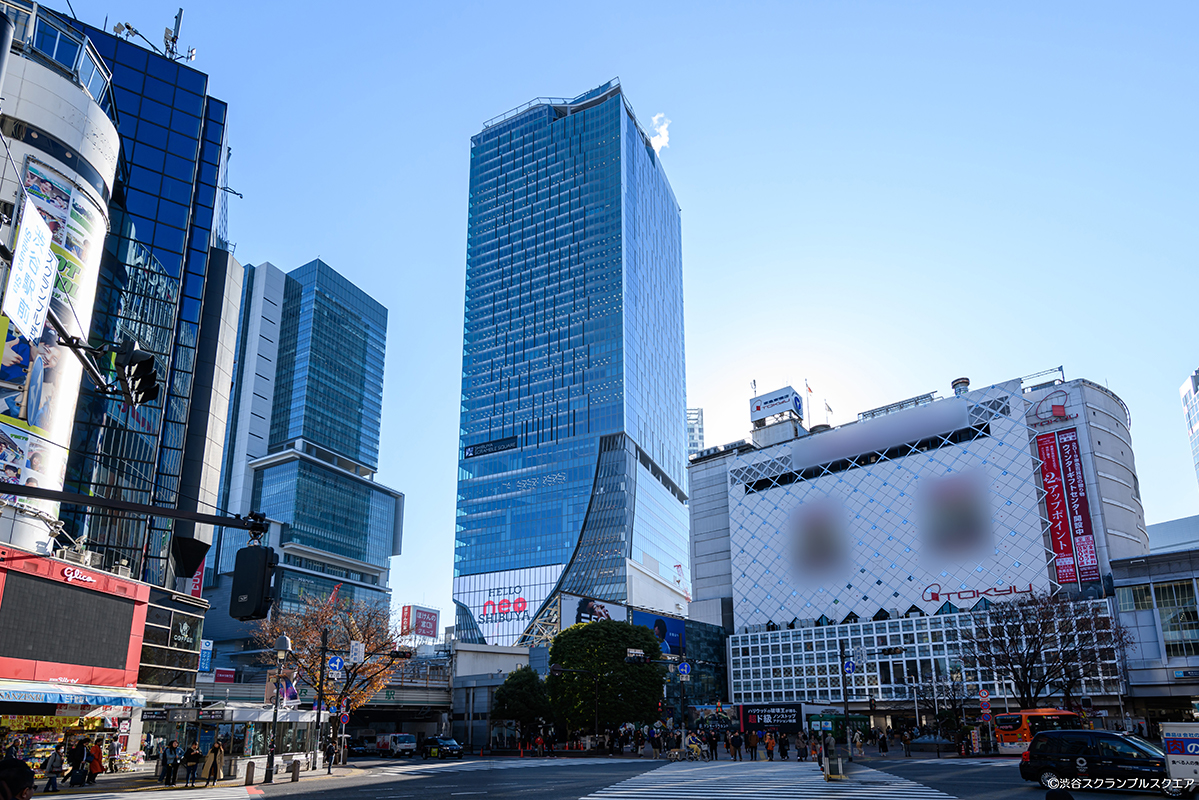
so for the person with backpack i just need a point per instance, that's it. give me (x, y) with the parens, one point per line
(52, 767)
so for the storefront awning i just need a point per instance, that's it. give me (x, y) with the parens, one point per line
(70, 693)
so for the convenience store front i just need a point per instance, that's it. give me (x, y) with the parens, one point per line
(34, 717)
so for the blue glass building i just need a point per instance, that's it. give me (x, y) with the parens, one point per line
(572, 467)
(302, 442)
(168, 282)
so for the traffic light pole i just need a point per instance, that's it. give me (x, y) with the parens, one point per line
(845, 700)
(254, 522)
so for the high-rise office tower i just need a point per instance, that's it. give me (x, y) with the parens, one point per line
(303, 439)
(167, 280)
(1189, 394)
(572, 468)
(695, 431)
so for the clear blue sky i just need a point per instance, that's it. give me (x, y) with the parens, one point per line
(878, 197)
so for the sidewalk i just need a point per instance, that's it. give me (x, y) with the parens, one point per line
(124, 782)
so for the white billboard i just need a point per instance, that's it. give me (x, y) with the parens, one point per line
(767, 405)
(503, 603)
(31, 279)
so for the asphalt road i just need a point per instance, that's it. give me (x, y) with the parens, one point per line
(414, 779)
(978, 779)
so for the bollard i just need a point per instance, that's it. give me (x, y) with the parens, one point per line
(295, 770)
(249, 773)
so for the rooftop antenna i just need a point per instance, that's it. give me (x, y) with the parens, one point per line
(170, 41)
(753, 387)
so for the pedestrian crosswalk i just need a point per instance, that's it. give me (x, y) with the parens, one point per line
(438, 767)
(754, 781)
(211, 793)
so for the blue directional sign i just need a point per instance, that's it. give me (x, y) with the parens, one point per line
(336, 664)
(848, 667)
(684, 668)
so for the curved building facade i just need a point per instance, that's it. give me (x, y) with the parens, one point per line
(572, 468)
(64, 150)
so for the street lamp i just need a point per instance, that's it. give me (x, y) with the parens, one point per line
(558, 669)
(282, 648)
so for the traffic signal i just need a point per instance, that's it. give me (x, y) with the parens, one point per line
(250, 595)
(641, 659)
(401, 653)
(872, 704)
(136, 373)
(891, 651)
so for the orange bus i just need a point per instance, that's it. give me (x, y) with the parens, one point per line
(1016, 729)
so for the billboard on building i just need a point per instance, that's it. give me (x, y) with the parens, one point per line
(767, 405)
(781, 717)
(1057, 509)
(419, 621)
(1078, 510)
(576, 610)
(39, 379)
(503, 604)
(670, 631)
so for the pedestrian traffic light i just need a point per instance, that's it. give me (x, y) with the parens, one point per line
(872, 704)
(250, 595)
(136, 373)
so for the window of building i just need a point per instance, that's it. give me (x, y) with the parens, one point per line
(1179, 616)
(1134, 598)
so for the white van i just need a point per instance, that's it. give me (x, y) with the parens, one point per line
(398, 744)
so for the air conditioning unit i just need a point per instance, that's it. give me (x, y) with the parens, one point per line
(123, 571)
(85, 558)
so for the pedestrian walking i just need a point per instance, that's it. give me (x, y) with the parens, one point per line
(769, 746)
(751, 745)
(736, 741)
(882, 746)
(214, 763)
(330, 754)
(907, 744)
(53, 768)
(713, 745)
(173, 754)
(95, 762)
(655, 743)
(191, 764)
(784, 746)
(114, 755)
(857, 742)
(75, 755)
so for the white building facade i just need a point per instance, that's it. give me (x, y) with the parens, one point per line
(889, 530)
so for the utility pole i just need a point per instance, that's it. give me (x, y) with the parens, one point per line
(845, 699)
(320, 697)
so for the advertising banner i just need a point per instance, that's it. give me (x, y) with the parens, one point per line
(671, 632)
(1056, 508)
(39, 380)
(781, 717)
(31, 281)
(502, 604)
(1079, 510)
(419, 621)
(205, 655)
(575, 610)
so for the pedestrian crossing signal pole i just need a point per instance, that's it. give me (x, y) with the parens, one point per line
(845, 668)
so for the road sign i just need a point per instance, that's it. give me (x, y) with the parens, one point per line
(848, 667)
(983, 694)
(633, 651)
(357, 652)
(684, 668)
(337, 675)
(986, 717)
(984, 705)
(336, 664)
(345, 719)
(684, 677)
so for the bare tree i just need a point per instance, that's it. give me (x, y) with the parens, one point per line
(1045, 645)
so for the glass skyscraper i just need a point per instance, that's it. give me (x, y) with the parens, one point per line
(572, 465)
(302, 442)
(166, 281)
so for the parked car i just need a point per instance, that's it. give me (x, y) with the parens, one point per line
(401, 744)
(1099, 755)
(441, 747)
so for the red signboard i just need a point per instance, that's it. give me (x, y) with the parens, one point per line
(1057, 508)
(52, 573)
(221, 675)
(420, 621)
(1079, 510)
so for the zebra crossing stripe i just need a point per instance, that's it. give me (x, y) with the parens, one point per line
(212, 793)
(965, 762)
(471, 766)
(756, 781)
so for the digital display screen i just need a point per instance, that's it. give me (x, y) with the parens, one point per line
(43, 620)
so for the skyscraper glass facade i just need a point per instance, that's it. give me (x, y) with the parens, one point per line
(329, 385)
(573, 432)
(166, 213)
(1189, 394)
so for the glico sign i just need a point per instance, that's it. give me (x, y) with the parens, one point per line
(933, 593)
(511, 606)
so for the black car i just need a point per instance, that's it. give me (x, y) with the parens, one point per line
(1098, 755)
(441, 747)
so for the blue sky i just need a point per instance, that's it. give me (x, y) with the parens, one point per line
(878, 197)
